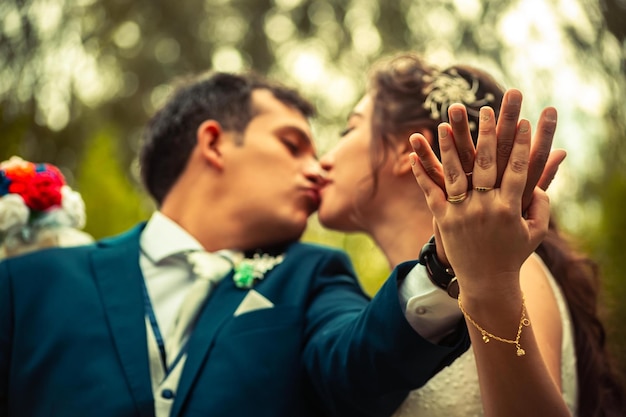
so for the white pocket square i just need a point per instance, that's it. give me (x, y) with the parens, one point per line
(251, 302)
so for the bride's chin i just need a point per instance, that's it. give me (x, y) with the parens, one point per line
(328, 219)
(323, 218)
(335, 222)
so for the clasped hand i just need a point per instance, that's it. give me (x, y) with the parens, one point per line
(488, 214)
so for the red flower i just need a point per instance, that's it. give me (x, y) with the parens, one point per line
(41, 189)
(18, 169)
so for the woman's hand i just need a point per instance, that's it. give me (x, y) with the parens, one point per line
(543, 163)
(484, 235)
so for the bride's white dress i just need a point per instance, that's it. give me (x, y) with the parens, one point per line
(455, 392)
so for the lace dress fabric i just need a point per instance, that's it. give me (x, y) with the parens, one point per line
(454, 392)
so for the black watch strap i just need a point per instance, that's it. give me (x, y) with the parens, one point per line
(443, 277)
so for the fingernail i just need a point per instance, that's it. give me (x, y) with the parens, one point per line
(524, 126)
(412, 158)
(551, 115)
(484, 114)
(515, 98)
(443, 131)
(457, 115)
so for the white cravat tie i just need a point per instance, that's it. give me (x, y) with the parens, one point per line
(208, 270)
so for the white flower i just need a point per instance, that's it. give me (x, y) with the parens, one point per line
(251, 270)
(14, 161)
(74, 207)
(13, 212)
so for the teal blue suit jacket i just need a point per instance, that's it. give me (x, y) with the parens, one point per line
(73, 340)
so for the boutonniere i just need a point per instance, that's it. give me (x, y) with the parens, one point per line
(248, 271)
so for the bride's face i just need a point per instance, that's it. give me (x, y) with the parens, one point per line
(348, 193)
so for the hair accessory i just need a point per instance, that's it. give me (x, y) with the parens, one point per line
(457, 199)
(34, 197)
(449, 87)
(483, 189)
(523, 322)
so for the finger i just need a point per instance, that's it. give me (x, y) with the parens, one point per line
(457, 114)
(514, 178)
(454, 176)
(538, 216)
(507, 128)
(485, 167)
(435, 194)
(552, 166)
(428, 159)
(540, 151)
(549, 172)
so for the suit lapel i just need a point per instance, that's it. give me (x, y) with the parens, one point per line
(118, 275)
(220, 307)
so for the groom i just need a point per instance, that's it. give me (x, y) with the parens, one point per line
(284, 331)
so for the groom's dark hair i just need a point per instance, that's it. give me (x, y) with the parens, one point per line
(170, 135)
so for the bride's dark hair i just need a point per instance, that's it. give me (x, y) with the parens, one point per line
(600, 392)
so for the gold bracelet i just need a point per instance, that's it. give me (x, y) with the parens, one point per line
(488, 336)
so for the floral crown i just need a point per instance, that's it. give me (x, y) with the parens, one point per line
(35, 196)
(449, 87)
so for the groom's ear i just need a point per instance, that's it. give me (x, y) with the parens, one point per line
(210, 138)
(403, 149)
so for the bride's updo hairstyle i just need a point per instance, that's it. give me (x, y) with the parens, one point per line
(411, 96)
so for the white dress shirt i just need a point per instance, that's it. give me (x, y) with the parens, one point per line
(166, 272)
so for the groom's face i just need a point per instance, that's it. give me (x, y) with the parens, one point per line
(275, 172)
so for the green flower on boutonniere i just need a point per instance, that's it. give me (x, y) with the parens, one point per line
(250, 270)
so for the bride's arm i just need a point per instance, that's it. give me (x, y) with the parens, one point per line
(486, 240)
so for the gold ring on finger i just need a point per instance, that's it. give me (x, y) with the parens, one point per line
(483, 189)
(457, 199)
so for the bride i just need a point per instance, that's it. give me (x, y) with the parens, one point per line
(531, 355)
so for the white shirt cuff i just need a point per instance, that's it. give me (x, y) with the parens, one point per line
(429, 310)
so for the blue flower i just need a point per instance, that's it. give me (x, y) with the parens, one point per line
(4, 183)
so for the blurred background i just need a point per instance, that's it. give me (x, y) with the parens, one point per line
(79, 78)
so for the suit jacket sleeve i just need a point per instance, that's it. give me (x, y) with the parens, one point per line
(6, 331)
(364, 357)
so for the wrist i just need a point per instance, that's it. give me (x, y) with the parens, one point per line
(500, 322)
(490, 297)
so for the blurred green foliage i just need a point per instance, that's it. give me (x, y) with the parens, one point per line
(113, 202)
(79, 78)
